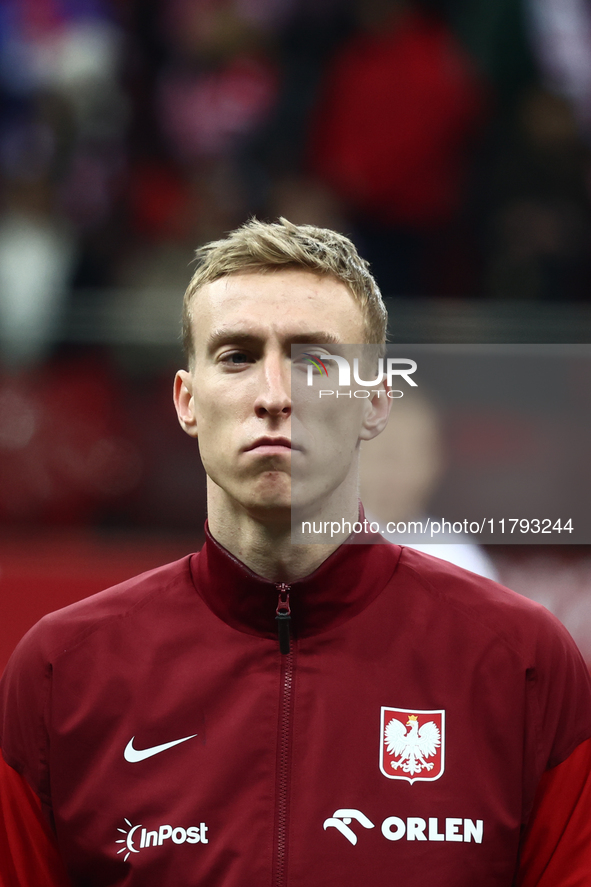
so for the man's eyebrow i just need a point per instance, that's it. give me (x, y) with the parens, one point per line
(227, 335)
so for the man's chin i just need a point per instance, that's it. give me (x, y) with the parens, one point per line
(270, 502)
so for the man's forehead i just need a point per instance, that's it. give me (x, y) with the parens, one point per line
(299, 304)
(276, 283)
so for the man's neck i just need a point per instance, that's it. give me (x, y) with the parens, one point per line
(265, 545)
(269, 553)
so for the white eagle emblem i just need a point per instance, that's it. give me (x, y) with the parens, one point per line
(408, 744)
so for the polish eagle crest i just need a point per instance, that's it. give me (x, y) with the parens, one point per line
(412, 748)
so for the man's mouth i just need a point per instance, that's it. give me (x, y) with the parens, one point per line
(270, 445)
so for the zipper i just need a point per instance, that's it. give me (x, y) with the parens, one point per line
(283, 616)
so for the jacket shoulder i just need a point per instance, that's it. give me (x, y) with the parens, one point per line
(481, 600)
(69, 625)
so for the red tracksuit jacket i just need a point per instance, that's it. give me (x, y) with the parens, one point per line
(427, 727)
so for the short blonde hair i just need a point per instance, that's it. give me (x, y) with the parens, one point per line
(269, 246)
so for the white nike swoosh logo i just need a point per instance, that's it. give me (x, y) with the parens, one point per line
(133, 755)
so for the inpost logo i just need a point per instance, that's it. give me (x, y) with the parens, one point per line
(134, 842)
(389, 368)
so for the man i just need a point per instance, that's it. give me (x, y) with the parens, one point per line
(266, 713)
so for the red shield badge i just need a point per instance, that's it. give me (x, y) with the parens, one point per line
(412, 744)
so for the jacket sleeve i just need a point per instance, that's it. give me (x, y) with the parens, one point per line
(28, 851)
(556, 849)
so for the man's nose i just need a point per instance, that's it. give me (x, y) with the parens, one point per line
(274, 396)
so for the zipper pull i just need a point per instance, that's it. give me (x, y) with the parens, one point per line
(283, 617)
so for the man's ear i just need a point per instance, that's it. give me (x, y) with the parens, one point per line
(184, 402)
(377, 410)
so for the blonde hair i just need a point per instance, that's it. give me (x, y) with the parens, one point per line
(269, 246)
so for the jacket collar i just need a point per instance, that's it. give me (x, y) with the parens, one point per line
(340, 588)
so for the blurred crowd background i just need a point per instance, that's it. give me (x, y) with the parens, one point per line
(450, 138)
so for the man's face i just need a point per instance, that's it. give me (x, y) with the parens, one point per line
(237, 398)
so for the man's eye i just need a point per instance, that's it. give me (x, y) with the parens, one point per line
(235, 358)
